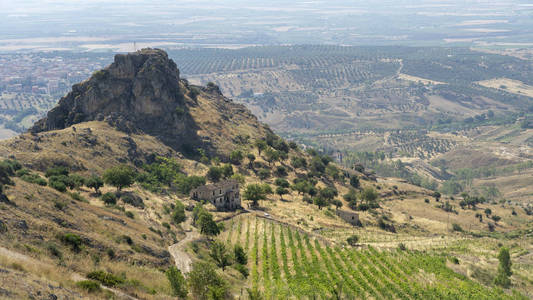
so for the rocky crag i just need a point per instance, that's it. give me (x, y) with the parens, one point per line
(143, 92)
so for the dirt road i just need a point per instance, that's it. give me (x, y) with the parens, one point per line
(182, 259)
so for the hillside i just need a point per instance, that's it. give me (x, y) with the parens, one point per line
(139, 119)
(423, 106)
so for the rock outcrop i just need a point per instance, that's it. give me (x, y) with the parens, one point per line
(142, 93)
(139, 91)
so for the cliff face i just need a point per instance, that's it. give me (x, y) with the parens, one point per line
(138, 92)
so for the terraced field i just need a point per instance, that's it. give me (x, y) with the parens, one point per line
(287, 263)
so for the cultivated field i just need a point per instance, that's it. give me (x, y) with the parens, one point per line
(288, 263)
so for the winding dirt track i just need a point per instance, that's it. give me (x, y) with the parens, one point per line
(182, 259)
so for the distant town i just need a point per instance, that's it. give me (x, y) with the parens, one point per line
(31, 83)
(46, 73)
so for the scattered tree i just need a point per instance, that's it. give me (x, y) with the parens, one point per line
(254, 192)
(177, 282)
(220, 254)
(263, 174)
(178, 214)
(251, 159)
(214, 174)
(437, 196)
(354, 181)
(504, 269)
(337, 203)
(236, 157)
(320, 202)
(240, 254)
(207, 225)
(95, 182)
(352, 240)
(271, 155)
(119, 176)
(205, 283)
(261, 145)
(299, 162)
(281, 191)
(281, 182)
(351, 198)
(369, 195)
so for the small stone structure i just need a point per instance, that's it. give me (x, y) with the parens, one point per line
(223, 195)
(348, 216)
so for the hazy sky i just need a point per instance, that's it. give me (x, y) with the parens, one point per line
(201, 22)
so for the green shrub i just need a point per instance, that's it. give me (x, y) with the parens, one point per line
(12, 164)
(454, 260)
(352, 240)
(177, 282)
(456, 227)
(129, 214)
(72, 240)
(162, 172)
(383, 224)
(194, 92)
(56, 171)
(132, 200)
(7, 169)
(239, 178)
(77, 180)
(34, 178)
(22, 172)
(402, 247)
(100, 74)
(178, 214)
(58, 185)
(105, 278)
(263, 174)
(502, 280)
(52, 248)
(281, 182)
(67, 181)
(242, 269)
(240, 255)
(299, 162)
(59, 205)
(109, 198)
(203, 280)
(185, 184)
(227, 170)
(110, 253)
(236, 157)
(214, 174)
(89, 285)
(127, 239)
(354, 181)
(281, 171)
(76, 196)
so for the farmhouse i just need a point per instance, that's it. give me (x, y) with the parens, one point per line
(348, 216)
(223, 195)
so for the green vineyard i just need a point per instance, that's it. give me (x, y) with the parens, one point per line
(286, 263)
